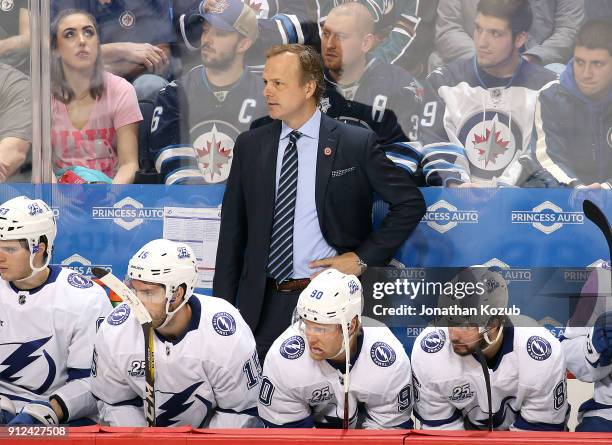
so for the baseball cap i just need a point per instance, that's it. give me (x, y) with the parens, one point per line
(231, 15)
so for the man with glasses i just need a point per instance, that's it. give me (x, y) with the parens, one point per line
(206, 368)
(308, 371)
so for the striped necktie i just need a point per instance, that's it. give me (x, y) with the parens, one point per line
(280, 259)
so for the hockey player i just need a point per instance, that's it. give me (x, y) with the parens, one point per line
(477, 114)
(306, 375)
(198, 118)
(588, 351)
(206, 369)
(362, 90)
(48, 322)
(526, 366)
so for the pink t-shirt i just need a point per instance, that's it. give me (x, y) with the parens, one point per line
(95, 145)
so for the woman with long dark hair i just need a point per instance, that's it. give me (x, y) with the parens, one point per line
(95, 114)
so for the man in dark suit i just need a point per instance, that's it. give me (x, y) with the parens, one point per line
(299, 198)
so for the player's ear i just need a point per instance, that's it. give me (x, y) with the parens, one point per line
(354, 325)
(520, 39)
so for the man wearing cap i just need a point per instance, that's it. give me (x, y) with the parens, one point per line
(198, 118)
(299, 199)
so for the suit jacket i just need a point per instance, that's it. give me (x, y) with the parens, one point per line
(345, 183)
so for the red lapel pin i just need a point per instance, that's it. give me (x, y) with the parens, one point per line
(327, 151)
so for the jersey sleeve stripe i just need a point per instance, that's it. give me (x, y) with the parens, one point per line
(308, 422)
(76, 374)
(434, 423)
(523, 424)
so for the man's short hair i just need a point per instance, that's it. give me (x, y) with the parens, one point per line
(595, 34)
(517, 13)
(311, 64)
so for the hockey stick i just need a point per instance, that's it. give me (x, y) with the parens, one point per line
(594, 213)
(144, 318)
(485, 371)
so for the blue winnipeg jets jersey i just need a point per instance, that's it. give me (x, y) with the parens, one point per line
(475, 126)
(383, 100)
(299, 392)
(208, 378)
(582, 358)
(46, 340)
(528, 383)
(194, 127)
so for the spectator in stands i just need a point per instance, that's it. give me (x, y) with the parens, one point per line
(550, 39)
(95, 114)
(198, 118)
(279, 22)
(136, 37)
(15, 120)
(15, 34)
(396, 25)
(477, 114)
(574, 115)
(363, 90)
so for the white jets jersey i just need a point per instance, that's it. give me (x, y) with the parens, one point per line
(488, 119)
(528, 383)
(582, 358)
(297, 391)
(207, 378)
(46, 340)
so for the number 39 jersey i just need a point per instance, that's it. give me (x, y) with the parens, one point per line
(299, 392)
(209, 377)
(528, 383)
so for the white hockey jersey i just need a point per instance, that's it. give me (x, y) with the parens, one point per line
(582, 358)
(528, 383)
(475, 126)
(46, 340)
(207, 378)
(299, 392)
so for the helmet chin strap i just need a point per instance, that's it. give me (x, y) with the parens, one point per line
(35, 269)
(171, 314)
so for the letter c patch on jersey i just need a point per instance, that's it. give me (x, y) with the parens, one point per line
(538, 348)
(119, 315)
(433, 342)
(79, 281)
(293, 347)
(382, 354)
(224, 324)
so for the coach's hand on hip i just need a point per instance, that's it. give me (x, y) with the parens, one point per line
(348, 263)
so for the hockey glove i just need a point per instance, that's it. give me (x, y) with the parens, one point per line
(601, 338)
(36, 413)
(7, 410)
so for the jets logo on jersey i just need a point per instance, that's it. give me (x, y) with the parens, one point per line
(293, 347)
(224, 324)
(23, 362)
(213, 141)
(382, 354)
(119, 315)
(7, 5)
(127, 19)
(433, 342)
(538, 348)
(490, 143)
(76, 280)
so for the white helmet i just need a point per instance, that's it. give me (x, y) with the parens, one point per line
(169, 263)
(489, 289)
(29, 219)
(331, 298)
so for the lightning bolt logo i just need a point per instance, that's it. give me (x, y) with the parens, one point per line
(176, 405)
(22, 357)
